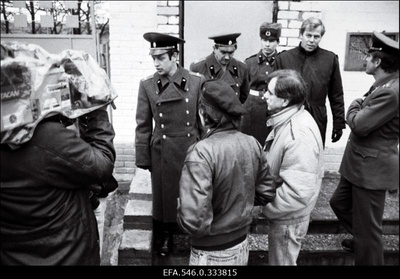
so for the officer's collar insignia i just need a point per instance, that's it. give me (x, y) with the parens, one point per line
(268, 33)
(230, 42)
(153, 44)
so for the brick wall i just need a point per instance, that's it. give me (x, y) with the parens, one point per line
(130, 62)
(291, 15)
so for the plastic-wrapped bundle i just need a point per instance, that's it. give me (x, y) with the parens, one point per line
(36, 84)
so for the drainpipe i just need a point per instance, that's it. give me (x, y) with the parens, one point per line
(275, 11)
(181, 30)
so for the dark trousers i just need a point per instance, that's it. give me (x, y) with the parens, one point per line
(360, 211)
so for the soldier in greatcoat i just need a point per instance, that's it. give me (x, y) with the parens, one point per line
(221, 64)
(167, 124)
(260, 65)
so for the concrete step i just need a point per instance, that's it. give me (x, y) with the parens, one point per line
(317, 250)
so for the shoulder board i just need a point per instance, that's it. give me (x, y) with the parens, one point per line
(195, 74)
(254, 55)
(199, 60)
(389, 83)
(241, 62)
(149, 77)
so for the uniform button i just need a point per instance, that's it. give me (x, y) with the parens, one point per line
(187, 123)
(157, 92)
(187, 89)
(187, 112)
(262, 98)
(266, 72)
(188, 135)
(237, 94)
(267, 63)
(187, 100)
(237, 84)
(160, 114)
(164, 136)
(162, 126)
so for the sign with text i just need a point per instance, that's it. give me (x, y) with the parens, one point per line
(357, 47)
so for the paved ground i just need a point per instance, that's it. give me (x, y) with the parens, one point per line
(117, 202)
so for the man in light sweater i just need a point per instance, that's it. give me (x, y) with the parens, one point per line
(295, 154)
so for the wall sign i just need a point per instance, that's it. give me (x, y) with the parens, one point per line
(357, 45)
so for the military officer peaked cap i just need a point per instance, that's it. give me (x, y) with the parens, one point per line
(270, 31)
(161, 43)
(225, 39)
(380, 42)
(219, 95)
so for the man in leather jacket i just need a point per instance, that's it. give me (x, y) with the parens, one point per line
(224, 176)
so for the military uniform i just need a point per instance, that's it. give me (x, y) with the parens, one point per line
(370, 164)
(171, 104)
(235, 75)
(259, 66)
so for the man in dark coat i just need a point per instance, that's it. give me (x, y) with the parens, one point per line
(370, 164)
(259, 66)
(46, 216)
(222, 65)
(169, 98)
(320, 70)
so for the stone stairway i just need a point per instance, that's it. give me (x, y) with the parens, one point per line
(320, 247)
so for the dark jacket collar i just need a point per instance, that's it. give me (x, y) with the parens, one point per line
(261, 57)
(218, 129)
(214, 67)
(180, 79)
(385, 80)
(307, 53)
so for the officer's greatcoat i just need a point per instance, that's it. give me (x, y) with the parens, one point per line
(254, 123)
(235, 75)
(161, 145)
(371, 157)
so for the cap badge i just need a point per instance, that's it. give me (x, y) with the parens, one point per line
(268, 33)
(230, 42)
(153, 44)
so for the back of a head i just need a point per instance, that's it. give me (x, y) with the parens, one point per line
(289, 85)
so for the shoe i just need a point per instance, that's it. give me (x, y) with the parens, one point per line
(348, 244)
(167, 246)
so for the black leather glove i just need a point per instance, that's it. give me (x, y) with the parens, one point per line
(336, 134)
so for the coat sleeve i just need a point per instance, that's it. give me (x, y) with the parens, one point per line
(382, 107)
(144, 128)
(73, 162)
(265, 185)
(195, 212)
(335, 96)
(245, 86)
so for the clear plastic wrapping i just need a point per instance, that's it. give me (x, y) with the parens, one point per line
(36, 84)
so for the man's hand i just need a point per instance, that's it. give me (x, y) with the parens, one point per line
(336, 134)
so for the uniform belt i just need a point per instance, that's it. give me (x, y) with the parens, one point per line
(255, 93)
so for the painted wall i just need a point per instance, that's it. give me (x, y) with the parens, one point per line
(207, 18)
